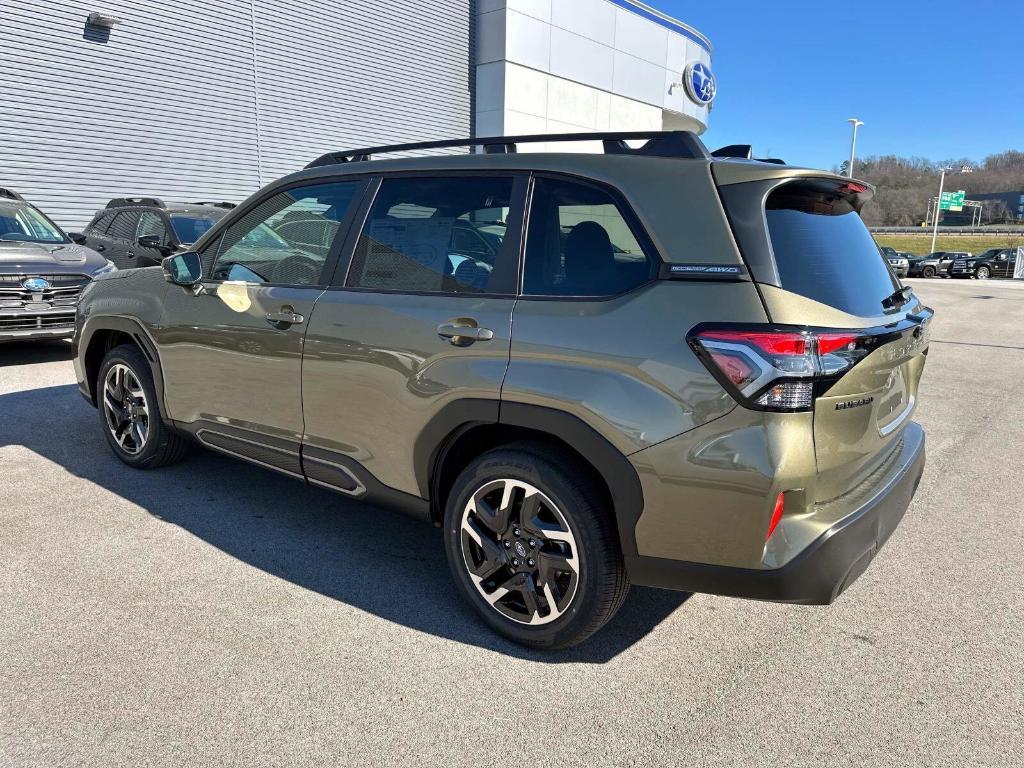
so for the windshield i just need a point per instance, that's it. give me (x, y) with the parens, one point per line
(823, 250)
(24, 223)
(191, 227)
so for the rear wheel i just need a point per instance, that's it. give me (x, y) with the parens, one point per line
(130, 412)
(928, 272)
(983, 273)
(533, 548)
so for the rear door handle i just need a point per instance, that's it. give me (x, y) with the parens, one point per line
(463, 335)
(287, 316)
(131, 254)
(99, 247)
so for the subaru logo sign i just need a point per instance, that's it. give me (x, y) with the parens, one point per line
(35, 284)
(700, 83)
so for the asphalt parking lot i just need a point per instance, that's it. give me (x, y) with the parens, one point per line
(214, 613)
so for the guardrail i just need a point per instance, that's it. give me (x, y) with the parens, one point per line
(948, 230)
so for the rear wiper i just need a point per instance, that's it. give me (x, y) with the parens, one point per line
(898, 298)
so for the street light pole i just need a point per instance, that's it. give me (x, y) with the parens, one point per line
(938, 208)
(853, 121)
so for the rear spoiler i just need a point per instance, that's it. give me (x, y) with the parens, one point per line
(128, 202)
(220, 204)
(743, 152)
(10, 194)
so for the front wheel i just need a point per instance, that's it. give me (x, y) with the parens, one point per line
(130, 412)
(533, 547)
(928, 272)
(983, 273)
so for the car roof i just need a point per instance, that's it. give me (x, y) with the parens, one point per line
(206, 210)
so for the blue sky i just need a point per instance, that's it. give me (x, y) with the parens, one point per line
(940, 80)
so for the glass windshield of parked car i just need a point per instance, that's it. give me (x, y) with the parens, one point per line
(190, 227)
(823, 250)
(23, 223)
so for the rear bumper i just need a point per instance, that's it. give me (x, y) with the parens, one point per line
(823, 569)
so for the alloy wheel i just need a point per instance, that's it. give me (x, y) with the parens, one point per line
(982, 273)
(519, 551)
(125, 409)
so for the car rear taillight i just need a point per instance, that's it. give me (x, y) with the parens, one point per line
(778, 368)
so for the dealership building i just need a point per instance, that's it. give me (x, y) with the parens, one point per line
(187, 100)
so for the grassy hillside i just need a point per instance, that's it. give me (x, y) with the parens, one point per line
(922, 243)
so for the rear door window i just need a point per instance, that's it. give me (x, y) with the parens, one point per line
(580, 242)
(437, 235)
(823, 250)
(101, 224)
(124, 225)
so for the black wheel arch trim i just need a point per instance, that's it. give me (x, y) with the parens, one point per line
(138, 333)
(460, 416)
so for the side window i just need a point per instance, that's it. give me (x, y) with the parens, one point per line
(286, 238)
(579, 243)
(124, 225)
(417, 235)
(151, 223)
(102, 223)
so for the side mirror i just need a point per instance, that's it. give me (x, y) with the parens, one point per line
(77, 238)
(185, 269)
(153, 241)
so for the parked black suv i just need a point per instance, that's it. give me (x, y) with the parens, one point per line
(140, 231)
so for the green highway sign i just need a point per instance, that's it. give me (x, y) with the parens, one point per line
(952, 201)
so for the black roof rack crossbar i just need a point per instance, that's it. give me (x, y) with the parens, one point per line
(659, 144)
(10, 194)
(128, 202)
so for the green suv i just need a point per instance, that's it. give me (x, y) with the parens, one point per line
(655, 365)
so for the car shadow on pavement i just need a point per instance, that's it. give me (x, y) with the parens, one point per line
(29, 353)
(373, 559)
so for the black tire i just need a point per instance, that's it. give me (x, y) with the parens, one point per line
(601, 584)
(162, 445)
(928, 272)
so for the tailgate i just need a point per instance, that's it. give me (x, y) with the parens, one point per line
(858, 421)
(818, 268)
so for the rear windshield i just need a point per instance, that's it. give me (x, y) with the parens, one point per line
(823, 250)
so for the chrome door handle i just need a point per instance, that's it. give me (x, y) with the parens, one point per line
(463, 335)
(131, 254)
(99, 247)
(286, 316)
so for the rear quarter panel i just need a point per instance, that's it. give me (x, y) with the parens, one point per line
(623, 365)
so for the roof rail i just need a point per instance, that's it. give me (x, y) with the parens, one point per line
(127, 202)
(214, 204)
(659, 144)
(10, 194)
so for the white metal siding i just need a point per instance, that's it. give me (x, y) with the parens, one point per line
(191, 100)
